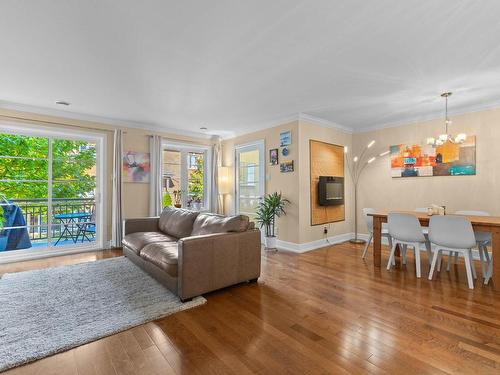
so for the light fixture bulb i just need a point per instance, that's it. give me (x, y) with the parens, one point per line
(443, 137)
(384, 153)
(439, 142)
(370, 144)
(460, 138)
(345, 149)
(431, 140)
(371, 160)
(355, 159)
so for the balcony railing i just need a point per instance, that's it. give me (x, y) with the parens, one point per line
(35, 212)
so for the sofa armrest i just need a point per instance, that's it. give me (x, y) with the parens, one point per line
(142, 224)
(213, 261)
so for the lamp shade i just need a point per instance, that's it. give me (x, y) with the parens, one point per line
(224, 180)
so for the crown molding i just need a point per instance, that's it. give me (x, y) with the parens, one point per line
(325, 123)
(116, 123)
(262, 126)
(287, 119)
(465, 111)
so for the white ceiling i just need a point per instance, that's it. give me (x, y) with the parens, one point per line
(234, 66)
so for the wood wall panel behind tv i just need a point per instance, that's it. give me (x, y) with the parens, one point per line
(326, 159)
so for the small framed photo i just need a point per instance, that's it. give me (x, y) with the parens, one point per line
(273, 156)
(286, 138)
(286, 166)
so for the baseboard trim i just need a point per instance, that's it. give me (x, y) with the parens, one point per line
(32, 255)
(318, 244)
(313, 245)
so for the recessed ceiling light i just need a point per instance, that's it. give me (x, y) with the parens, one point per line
(62, 102)
(203, 128)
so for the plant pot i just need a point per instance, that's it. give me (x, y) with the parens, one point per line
(270, 243)
(177, 205)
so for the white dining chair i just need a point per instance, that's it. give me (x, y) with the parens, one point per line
(369, 225)
(483, 240)
(425, 231)
(452, 234)
(406, 231)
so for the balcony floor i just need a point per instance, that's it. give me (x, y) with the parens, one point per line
(62, 243)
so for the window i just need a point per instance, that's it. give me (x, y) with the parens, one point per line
(49, 190)
(186, 176)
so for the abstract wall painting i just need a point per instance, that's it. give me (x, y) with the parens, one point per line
(136, 167)
(428, 160)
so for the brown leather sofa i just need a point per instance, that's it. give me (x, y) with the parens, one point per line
(193, 253)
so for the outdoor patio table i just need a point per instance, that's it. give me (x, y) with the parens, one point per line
(68, 220)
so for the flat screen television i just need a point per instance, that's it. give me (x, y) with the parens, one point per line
(330, 191)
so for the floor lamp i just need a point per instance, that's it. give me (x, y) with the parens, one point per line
(224, 185)
(356, 165)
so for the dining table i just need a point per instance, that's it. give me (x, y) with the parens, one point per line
(489, 224)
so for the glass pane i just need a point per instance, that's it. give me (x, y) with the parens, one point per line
(248, 182)
(171, 176)
(196, 194)
(73, 192)
(23, 209)
(23, 146)
(23, 169)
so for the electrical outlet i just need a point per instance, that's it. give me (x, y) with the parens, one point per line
(325, 230)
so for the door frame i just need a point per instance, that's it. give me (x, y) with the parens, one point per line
(100, 138)
(260, 145)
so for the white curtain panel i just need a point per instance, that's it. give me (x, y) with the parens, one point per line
(155, 194)
(116, 235)
(215, 199)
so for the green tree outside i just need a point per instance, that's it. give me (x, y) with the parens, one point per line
(195, 183)
(26, 158)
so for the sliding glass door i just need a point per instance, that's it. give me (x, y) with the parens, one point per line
(49, 191)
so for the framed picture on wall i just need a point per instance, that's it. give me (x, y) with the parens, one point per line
(286, 166)
(273, 156)
(285, 138)
(136, 167)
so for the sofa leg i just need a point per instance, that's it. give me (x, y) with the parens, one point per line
(253, 280)
(184, 300)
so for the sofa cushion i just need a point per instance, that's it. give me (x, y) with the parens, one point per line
(177, 222)
(163, 255)
(136, 241)
(212, 223)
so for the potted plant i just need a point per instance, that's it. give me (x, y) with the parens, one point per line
(269, 209)
(177, 199)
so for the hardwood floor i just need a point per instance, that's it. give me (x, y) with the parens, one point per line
(322, 312)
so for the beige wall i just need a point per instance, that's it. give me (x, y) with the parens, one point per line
(275, 180)
(479, 192)
(307, 232)
(135, 195)
(296, 226)
(377, 188)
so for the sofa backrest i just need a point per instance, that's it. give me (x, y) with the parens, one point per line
(177, 222)
(212, 223)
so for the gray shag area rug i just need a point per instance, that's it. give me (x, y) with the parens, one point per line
(47, 311)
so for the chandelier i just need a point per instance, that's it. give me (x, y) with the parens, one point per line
(446, 137)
